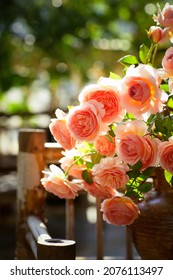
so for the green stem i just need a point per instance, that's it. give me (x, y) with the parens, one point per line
(75, 161)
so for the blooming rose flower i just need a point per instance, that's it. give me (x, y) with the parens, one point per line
(119, 210)
(60, 132)
(167, 61)
(68, 160)
(165, 16)
(133, 145)
(84, 121)
(105, 145)
(105, 92)
(111, 172)
(140, 92)
(158, 34)
(166, 155)
(98, 190)
(57, 184)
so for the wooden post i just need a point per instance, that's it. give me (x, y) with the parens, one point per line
(129, 255)
(69, 215)
(99, 230)
(30, 193)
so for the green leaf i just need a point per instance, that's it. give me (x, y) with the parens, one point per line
(89, 164)
(86, 175)
(128, 60)
(170, 103)
(165, 87)
(96, 157)
(114, 76)
(145, 187)
(168, 177)
(143, 53)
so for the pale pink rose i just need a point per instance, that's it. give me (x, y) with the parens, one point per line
(158, 34)
(60, 132)
(84, 121)
(140, 92)
(165, 16)
(68, 161)
(58, 184)
(119, 210)
(111, 172)
(105, 145)
(150, 158)
(100, 191)
(167, 61)
(105, 92)
(166, 155)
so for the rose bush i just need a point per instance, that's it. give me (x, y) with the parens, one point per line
(120, 131)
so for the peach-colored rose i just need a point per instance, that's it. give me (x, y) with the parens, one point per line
(140, 92)
(158, 34)
(98, 190)
(84, 121)
(166, 155)
(105, 92)
(111, 172)
(105, 145)
(57, 184)
(68, 160)
(167, 61)
(60, 132)
(133, 145)
(119, 210)
(165, 16)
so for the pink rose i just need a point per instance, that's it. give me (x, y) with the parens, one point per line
(84, 121)
(166, 155)
(165, 16)
(133, 145)
(158, 34)
(140, 92)
(119, 210)
(98, 190)
(60, 132)
(111, 172)
(105, 145)
(57, 184)
(105, 92)
(167, 61)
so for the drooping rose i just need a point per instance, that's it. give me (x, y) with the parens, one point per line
(56, 183)
(111, 172)
(167, 61)
(105, 92)
(140, 92)
(119, 210)
(84, 121)
(166, 155)
(105, 145)
(165, 16)
(60, 132)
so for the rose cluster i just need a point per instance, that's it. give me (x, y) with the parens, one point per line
(121, 129)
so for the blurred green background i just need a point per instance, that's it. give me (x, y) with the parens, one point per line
(50, 48)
